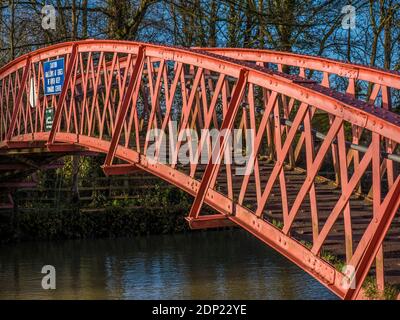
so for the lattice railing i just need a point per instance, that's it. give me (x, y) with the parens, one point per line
(116, 93)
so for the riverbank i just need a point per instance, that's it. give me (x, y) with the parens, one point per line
(136, 210)
(134, 206)
(109, 222)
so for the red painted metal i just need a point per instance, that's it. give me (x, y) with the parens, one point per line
(121, 113)
(21, 89)
(61, 100)
(115, 92)
(210, 221)
(381, 77)
(227, 125)
(120, 169)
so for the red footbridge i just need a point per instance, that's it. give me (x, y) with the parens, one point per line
(322, 188)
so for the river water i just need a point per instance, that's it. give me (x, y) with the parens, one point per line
(202, 265)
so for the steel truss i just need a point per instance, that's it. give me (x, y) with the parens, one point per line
(115, 92)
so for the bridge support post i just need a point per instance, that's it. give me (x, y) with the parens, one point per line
(121, 114)
(227, 125)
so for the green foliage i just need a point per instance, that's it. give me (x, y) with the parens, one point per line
(157, 196)
(328, 256)
(158, 210)
(339, 264)
(277, 223)
(98, 199)
(114, 221)
(391, 292)
(334, 260)
(371, 291)
(67, 169)
(370, 288)
(307, 244)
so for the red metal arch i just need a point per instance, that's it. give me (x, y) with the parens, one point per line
(381, 83)
(115, 92)
(377, 76)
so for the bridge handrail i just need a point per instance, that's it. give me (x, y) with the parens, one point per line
(352, 110)
(375, 75)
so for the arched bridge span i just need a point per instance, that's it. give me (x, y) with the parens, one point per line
(322, 169)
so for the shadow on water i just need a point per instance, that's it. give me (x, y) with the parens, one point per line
(203, 265)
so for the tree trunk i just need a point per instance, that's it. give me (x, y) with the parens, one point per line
(249, 26)
(84, 19)
(1, 25)
(75, 179)
(12, 30)
(232, 22)
(387, 43)
(61, 13)
(212, 39)
(74, 20)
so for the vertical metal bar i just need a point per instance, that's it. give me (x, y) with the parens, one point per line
(95, 101)
(227, 125)
(270, 139)
(341, 203)
(256, 143)
(280, 157)
(343, 183)
(108, 77)
(373, 237)
(84, 84)
(155, 101)
(286, 114)
(390, 145)
(280, 163)
(133, 81)
(356, 133)
(309, 140)
(335, 157)
(210, 116)
(376, 187)
(311, 174)
(253, 162)
(169, 104)
(187, 106)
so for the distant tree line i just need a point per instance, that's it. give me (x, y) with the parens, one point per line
(306, 26)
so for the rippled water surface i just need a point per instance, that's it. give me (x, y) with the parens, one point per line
(202, 265)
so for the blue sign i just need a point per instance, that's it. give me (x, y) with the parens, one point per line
(53, 76)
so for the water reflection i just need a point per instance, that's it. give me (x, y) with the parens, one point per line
(203, 265)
